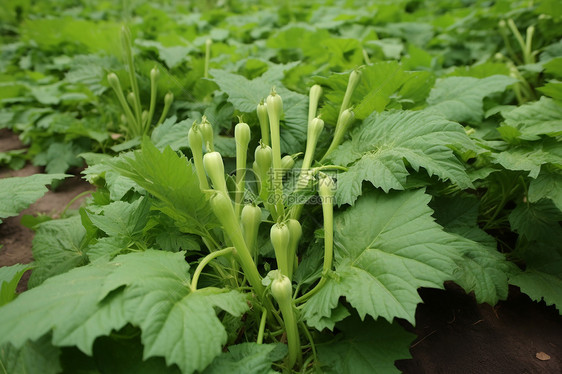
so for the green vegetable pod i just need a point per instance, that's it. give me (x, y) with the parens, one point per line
(214, 167)
(280, 238)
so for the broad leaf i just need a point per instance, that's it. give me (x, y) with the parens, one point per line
(460, 98)
(388, 246)
(365, 347)
(33, 357)
(378, 148)
(248, 358)
(176, 323)
(122, 219)
(530, 121)
(540, 286)
(547, 185)
(531, 156)
(17, 193)
(173, 181)
(69, 306)
(9, 279)
(58, 246)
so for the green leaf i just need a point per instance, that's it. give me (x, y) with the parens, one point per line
(17, 193)
(379, 84)
(122, 219)
(171, 133)
(176, 323)
(482, 269)
(58, 246)
(540, 286)
(537, 221)
(248, 358)
(547, 185)
(388, 246)
(172, 180)
(69, 306)
(543, 117)
(33, 357)
(245, 95)
(530, 157)
(460, 98)
(365, 347)
(9, 279)
(378, 147)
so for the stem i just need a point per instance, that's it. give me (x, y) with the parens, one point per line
(153, 92)
(310, 339)
(168, 99)
(208, 44)
(127, 48)
(204, 262)
(518, 36)
(262, 326)
(74, 199)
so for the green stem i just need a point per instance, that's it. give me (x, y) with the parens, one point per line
(153, 91)
(204, 263)
(261, 330)
(127, 48)
(208, 44)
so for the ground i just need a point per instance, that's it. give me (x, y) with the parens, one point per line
(455, 334)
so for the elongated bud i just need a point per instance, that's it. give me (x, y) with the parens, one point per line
(168, 99)
(242, 134)
(207, 132)
(353, 81)
(131, 99)
(280, 238)
(264, 122)
(196, 144)
(214, 167)
(295, 231)
(251, 219)
(263, 157)
(281, 289)
(346, 119)
(326, 188)
(274, 107)
(154, 75)
(314, 130)
(314, 97)
(287, 162)
(113, 81)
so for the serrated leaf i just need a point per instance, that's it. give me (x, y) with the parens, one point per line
(537, 221)
(378, 147)
(176, 323)
(540, 286)
(172, 180)
(245, 95)
(58, 246)
(530, 156)
(460, 98)
(17, 193)
(172, 133)
(543, 117)
(69, 306)
(248, 358)
(365, 347)
(547, 185)
(9, 279)
(122, 219)
(388, 246)
(482, 269)
(33, 357)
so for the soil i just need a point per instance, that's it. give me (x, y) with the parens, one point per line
(456, 335)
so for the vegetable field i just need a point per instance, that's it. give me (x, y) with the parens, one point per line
(282, 186)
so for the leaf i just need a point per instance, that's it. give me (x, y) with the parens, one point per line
(547, 185)
(378, 147)
(17, 193)
(245, 95)
(176, 323)
(537, 221)
(69, 306)
(172, 180)
(388, 246)
(122, 219)
(365, 347)
(172, 134)
(57, 247)
(540, 286)
(460, 98)
(33, 357)
(482, 269)
(530, 156)
(247, 358)
(543, 117)
(378, 85)
(9, 279)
